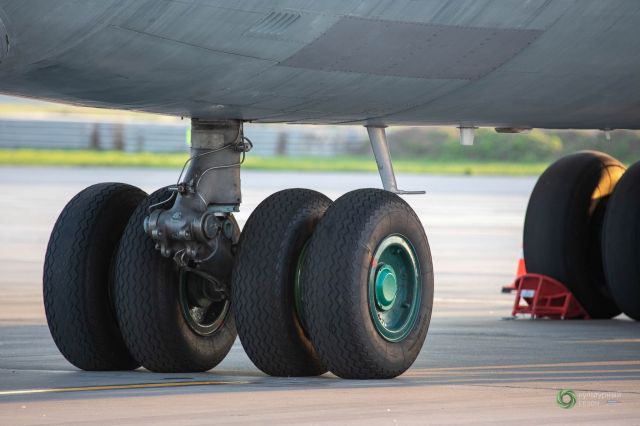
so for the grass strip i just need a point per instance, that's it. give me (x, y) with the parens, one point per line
(86, 158)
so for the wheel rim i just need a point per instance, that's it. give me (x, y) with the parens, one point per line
(203, 308)
(394, 288)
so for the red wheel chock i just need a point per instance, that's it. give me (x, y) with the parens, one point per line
(545, 297)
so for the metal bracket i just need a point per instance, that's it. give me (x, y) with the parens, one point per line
(378, 139)
(192, 228)
(467, 135)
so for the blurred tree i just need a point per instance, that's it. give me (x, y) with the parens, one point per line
(94, 139)
(118, 136)
(283, 143)
(442, 144)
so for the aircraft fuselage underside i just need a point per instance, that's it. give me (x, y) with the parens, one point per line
(541, 63)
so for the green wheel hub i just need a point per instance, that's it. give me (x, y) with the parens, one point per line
(394, 288)
(386, 287)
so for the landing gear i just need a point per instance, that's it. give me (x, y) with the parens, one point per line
(313, 286)
(173, 275)
(132, 280)
(563, 228)
(352, 295)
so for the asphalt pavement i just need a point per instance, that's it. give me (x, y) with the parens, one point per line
(478, 364)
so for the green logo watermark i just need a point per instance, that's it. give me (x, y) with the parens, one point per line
(566, 398)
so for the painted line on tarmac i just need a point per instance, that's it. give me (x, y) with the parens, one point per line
(518, 372)
(482, 381)
(521, 366)
(603, 341)
(119, 387)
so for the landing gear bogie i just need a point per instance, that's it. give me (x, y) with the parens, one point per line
(313, 285)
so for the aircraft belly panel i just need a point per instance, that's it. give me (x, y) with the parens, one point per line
(402, 49)
(557, 63)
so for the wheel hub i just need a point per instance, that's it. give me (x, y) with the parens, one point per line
(204, 308)
(394, 288)
(386, 287)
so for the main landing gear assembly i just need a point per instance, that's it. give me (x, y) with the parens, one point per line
(164, 281)
(167, 281)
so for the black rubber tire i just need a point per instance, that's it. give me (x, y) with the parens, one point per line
(263, 283)
(335, 291)
(78, 277)
(148, 306)
(563, 227)
(621, 243)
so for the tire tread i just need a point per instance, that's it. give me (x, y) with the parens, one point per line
(67, 272)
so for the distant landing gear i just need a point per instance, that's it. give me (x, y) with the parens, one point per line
(581, 229)
(162, 281)
(563, 226)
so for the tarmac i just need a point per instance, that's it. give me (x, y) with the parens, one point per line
(478, 364)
